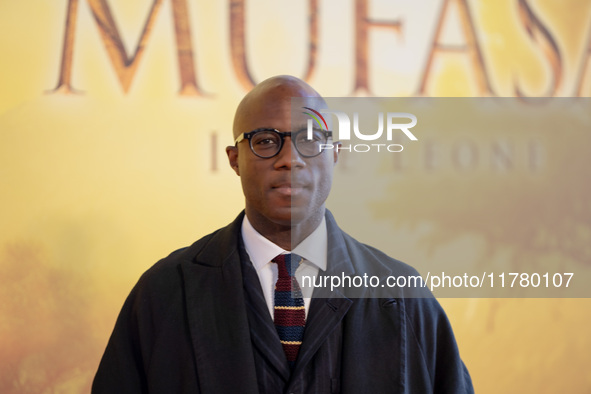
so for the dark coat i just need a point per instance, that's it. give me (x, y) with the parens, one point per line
(186, 328)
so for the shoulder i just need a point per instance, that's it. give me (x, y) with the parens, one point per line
(364, 258)
(422, 311)
(163, 281)
(397, 279)
(370, 254)
(167, 269)
(159, 288)
(169, 264)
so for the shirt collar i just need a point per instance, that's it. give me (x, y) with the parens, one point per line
(261, 251)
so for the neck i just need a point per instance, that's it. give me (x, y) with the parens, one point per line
(285, 235)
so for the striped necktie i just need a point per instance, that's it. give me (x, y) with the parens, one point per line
(289, 313)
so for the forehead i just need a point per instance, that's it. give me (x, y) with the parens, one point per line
(282, 113)
(275, 105)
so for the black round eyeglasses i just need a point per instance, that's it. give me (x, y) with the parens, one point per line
(267, 142)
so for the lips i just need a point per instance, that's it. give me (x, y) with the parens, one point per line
(289, 189)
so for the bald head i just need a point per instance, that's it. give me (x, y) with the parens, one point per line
(270, 94)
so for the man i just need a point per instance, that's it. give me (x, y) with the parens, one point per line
(202, 319)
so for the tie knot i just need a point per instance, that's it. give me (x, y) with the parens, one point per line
(287, 264)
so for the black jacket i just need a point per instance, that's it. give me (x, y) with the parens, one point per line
(186, 327)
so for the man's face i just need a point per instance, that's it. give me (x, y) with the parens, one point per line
(287, 189)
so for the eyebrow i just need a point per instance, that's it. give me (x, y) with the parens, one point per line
(305, 127)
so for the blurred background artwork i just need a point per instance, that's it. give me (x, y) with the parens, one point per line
(114, 117)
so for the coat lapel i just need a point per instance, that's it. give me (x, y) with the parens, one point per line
(217, 315)
(324, 316)
(262, 329)
(327, 309)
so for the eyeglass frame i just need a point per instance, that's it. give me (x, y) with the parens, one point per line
(282, 134)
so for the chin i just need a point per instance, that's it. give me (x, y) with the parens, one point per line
(282, 216)
(299, 215)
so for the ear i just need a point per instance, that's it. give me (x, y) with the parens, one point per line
(232, 152)
(336, 150)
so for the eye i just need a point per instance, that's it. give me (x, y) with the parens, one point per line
(302, 137)
(265, 139)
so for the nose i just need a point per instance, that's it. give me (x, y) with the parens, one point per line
(289, 156)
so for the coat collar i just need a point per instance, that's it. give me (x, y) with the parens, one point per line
(216, 313)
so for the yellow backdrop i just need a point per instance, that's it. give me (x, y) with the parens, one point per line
(113, 120)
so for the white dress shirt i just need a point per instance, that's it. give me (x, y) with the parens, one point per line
(312, 249)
